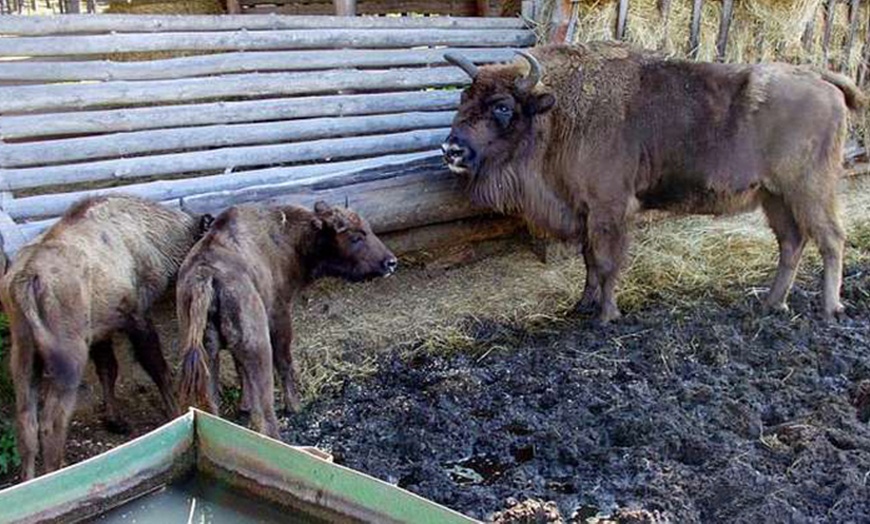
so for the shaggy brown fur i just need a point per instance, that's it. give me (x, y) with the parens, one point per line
(610, 130)
(96, 271)
(236, 288)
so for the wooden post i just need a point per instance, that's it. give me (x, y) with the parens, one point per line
(233, 7)
(482, 8)
(853, 29)
(527, 9)
(345, 7)
(724, 25)
(621, 19)
(560, 20)
(665, 10)
(829, 25)
(865, 62)
(695, 29)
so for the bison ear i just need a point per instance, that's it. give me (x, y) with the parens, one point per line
(543, 103)
(322, 208)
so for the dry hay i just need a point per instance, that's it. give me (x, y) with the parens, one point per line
(166, 7)
(761, 30)
(341, 328)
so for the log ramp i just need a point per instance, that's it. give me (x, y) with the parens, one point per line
(204, 112)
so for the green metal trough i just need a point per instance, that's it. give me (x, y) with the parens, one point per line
(250, 463)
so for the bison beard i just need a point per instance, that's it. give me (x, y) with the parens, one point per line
(579, 138)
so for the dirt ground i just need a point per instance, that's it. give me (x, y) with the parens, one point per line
(715, 414)
(478, 387)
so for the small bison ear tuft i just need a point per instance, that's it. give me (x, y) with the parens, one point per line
(544, 103)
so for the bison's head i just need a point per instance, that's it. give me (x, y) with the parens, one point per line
(347, 247)
(496, 114)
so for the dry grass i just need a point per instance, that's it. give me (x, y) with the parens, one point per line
(342, 328)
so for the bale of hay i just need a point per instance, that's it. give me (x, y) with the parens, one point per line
(166, 7)
(161, 7)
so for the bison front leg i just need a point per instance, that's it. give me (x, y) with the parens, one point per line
(607, 241)
(591, 299)
(146, 347)
(103, 355)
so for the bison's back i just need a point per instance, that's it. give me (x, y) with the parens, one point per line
(106, 259)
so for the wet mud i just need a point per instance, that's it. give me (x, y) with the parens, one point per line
(714, 414)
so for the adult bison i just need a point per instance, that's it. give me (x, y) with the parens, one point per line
(577, 139)
(95, 272)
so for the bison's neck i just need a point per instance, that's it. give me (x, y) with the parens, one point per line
(519, 188)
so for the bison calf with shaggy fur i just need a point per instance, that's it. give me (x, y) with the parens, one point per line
(236, 287)
(578, 139)
(95, 272)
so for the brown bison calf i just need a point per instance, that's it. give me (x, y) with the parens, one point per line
(236, 287)
(96, 271)
(579, 138)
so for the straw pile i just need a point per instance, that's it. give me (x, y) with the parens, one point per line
(166, 7)
(761, 30)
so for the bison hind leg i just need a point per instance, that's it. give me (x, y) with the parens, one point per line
(65, 369)
(25, 378)
(814, 207)
(791, 242)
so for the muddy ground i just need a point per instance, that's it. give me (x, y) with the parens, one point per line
(715, 414)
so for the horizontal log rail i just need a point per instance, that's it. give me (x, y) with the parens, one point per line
(19, 99)
(211, 41)
(224, 112)
(189, 138)
(73, 24)
(247, 62)
(221, 159)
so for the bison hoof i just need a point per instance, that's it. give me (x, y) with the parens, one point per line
(586, 306)
(835, 314)
(775, 308)
(117, 426)
(292, 406)
(608, 315)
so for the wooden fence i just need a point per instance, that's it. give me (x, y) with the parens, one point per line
(266, 108)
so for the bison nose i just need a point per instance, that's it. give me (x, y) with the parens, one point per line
(389, 266)
(454, 152)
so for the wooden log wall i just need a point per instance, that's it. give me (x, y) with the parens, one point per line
(257, 108)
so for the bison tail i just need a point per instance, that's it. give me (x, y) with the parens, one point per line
(26, 293)
(855, 99)
(195, 374)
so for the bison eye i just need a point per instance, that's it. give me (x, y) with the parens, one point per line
(502, 113)
(356, 239)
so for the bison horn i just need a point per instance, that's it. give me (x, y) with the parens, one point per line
(529, 81)
(462, 63)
